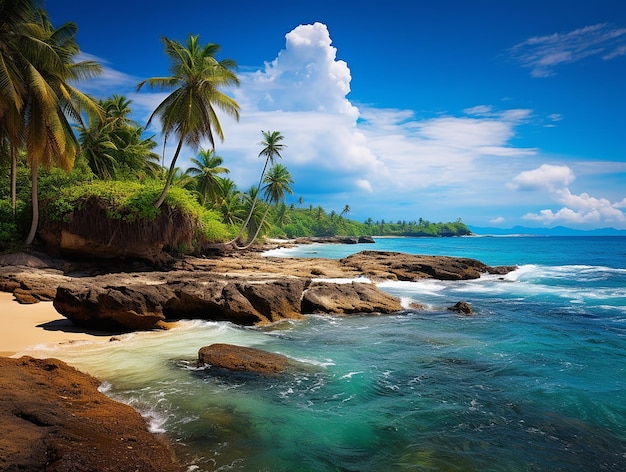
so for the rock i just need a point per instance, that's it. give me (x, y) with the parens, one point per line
(112, 308)
(53, 418)
(144, 305)
(30, 284)
(408, 267)
(462, 307)
(366, 240)
(243, 359)
(342, 299)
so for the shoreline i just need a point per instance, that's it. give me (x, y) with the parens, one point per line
(25, 326)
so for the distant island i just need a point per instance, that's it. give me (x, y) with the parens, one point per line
(556, 231)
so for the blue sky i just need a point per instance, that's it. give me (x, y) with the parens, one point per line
(497, 112)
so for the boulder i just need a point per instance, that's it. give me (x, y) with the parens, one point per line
(96, 304)
(348, 298)
(243, 359)
(462, 307)
(53, 418)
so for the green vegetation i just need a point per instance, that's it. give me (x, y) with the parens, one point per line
(93, 169)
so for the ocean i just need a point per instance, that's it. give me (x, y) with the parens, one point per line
(535, 380)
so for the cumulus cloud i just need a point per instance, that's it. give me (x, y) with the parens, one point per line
(542, 54)
(547, 176)
(577, 209)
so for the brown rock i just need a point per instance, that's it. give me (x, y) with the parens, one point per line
(53, 418)
(355, 297)
(243, 359)
(462, 307)
(408, 267)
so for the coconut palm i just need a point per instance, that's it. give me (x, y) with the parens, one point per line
(278, 180)
(42, 59)
(17, 21)
(189, 112)
(207, 168)
(271, 150)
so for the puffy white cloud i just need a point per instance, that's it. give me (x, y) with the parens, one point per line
(541, 54)
(547, 176)
(577, 209)
(306, 76)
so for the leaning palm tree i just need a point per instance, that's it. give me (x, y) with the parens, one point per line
(207, 168)
(50, 102)
(189, 112)
(278, 181)
(271, 150)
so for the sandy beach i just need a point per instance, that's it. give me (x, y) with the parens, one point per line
(24, 326)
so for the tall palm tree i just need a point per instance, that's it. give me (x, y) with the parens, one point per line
(207, 168)
(189, 112)
(272, 147)
(37, 69)
(17, 21)
(278, 181)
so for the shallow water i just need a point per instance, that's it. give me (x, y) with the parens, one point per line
(534, 381)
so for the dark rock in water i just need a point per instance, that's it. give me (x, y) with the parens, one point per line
(243, 359)
(53, 418)
(366, 240)
(355, 297)
(462, 307)
(408, 267)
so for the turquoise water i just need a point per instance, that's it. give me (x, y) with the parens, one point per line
(534, 381)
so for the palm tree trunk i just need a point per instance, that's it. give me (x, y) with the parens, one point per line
(258, 230)
(170, 174)
(35, 204)
(13, 178)
(256, 197)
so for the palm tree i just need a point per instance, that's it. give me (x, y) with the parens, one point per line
(345, 211)
(17, 21)
(189, 111)
(278, 180)
(271, 150)
(206, 171)
(42, 59)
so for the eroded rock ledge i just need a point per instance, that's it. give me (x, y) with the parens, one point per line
(53, 418)
(247, 289)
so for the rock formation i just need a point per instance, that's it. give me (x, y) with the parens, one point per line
(247, 289)
(344, 299)
(53, 418)
(243, 359)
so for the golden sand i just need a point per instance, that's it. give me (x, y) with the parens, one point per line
(25, 326)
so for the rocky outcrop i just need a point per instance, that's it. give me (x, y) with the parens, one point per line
(408, 267)
(53, 418)
(344, 299)
(244, 359)
(247, 289)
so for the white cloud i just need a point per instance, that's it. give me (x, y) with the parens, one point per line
(547, 176)
(498, 220)
(577, 209)
(542, 54)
